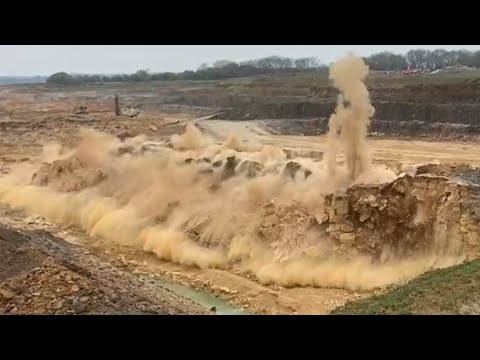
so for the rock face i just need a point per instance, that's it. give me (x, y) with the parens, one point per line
(411, 215)
(288, 230)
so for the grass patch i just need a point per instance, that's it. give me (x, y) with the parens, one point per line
(443, 291)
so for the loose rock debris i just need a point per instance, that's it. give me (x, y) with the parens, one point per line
(70, 174)
(51, 276)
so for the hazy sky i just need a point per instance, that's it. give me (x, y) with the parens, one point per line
(109, 59)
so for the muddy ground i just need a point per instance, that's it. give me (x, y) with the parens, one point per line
(65, 271)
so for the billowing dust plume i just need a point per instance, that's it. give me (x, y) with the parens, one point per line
(349, 124)
(228, 206)
(191, 140)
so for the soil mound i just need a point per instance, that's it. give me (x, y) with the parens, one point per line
(67, 175)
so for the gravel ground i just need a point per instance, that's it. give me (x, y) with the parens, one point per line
(41, 274)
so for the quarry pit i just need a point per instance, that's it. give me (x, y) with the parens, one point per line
(268, 222)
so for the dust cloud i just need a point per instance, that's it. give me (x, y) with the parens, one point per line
(349, 123)
(200, 213)
(192, 139)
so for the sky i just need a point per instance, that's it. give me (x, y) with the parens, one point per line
(112, 59)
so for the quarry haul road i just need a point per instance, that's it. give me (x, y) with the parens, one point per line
(403, 151)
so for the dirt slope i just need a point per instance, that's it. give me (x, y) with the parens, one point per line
(42, 274)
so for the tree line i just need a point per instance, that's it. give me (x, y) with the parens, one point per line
(224, 69)
(423, 60)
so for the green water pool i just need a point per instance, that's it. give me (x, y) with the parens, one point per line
(202, 298)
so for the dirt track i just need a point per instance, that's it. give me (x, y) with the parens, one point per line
(406, 152)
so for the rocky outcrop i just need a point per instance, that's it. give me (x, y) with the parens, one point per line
(412, 215)
(287, 229)
(67, 175)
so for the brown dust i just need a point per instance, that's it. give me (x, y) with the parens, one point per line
(191, 213)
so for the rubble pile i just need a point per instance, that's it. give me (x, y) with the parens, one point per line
(289, 230)
(54, 289)
(149, 147)
(234, 166)
(67, 175)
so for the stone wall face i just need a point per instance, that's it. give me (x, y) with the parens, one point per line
(412, 215)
